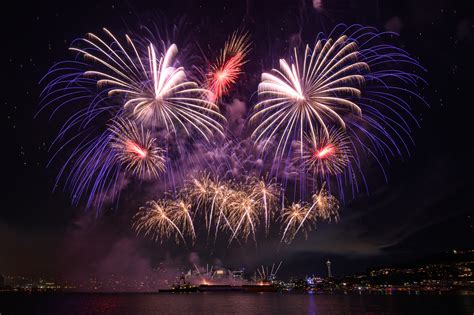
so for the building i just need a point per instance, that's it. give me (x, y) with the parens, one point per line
(238, 274)
(328, 264)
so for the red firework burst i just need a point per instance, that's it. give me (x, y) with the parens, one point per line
(326, 153)
(227, 68)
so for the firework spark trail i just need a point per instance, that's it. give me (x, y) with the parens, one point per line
(155, 220)
(352, 80)
(330, 107)
(308, 95)
(156, 92)
(93, 171)
(205, 192)
(226, 196)
(240, 208)
(216, 188)
(136, 149)
(243, 216)
(324, 205)
(327, 154)
(268, 275)
(182, 216)
(126, 80)
(227, 68)
(199, 189)
(292, 217)
(266, 193)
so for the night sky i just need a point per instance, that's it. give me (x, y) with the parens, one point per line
(425, 208)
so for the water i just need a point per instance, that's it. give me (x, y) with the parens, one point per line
(233, 303)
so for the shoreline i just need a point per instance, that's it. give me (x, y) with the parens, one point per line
(339, 293)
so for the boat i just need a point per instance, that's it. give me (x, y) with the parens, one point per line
(218, 288)
(182, 286)
(261, 287)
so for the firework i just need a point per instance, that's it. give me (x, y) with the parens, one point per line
(222, 222)
(327, 154)
(324, 207)
(266, 194)
(182, 216)
(156, 221)
(295, 217)
(217, 188)
(309, 95)
(351, 81)
(130, 80)
(213, 195)
(266, 274)
(156, 92)
(94, 171)
(206, 193)
(136, 149)
(329, 107)
(234, 207)
(199, 190)
(243, 216)
(228, 66)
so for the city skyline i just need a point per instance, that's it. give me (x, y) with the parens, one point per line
(445, 272)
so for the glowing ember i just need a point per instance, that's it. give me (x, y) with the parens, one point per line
(136, 149)
(325, 152)
(222, 75)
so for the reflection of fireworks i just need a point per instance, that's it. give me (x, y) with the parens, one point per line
(228, 66)
(325, 154)
(293, 217)
(136, 149)
(155, 220)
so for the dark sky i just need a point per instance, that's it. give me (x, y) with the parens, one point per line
(425, 208)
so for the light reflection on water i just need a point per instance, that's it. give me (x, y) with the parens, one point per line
(234, 303)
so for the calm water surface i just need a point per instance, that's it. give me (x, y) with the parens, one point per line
(233, 303)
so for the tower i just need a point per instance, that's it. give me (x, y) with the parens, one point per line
(328, 264)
